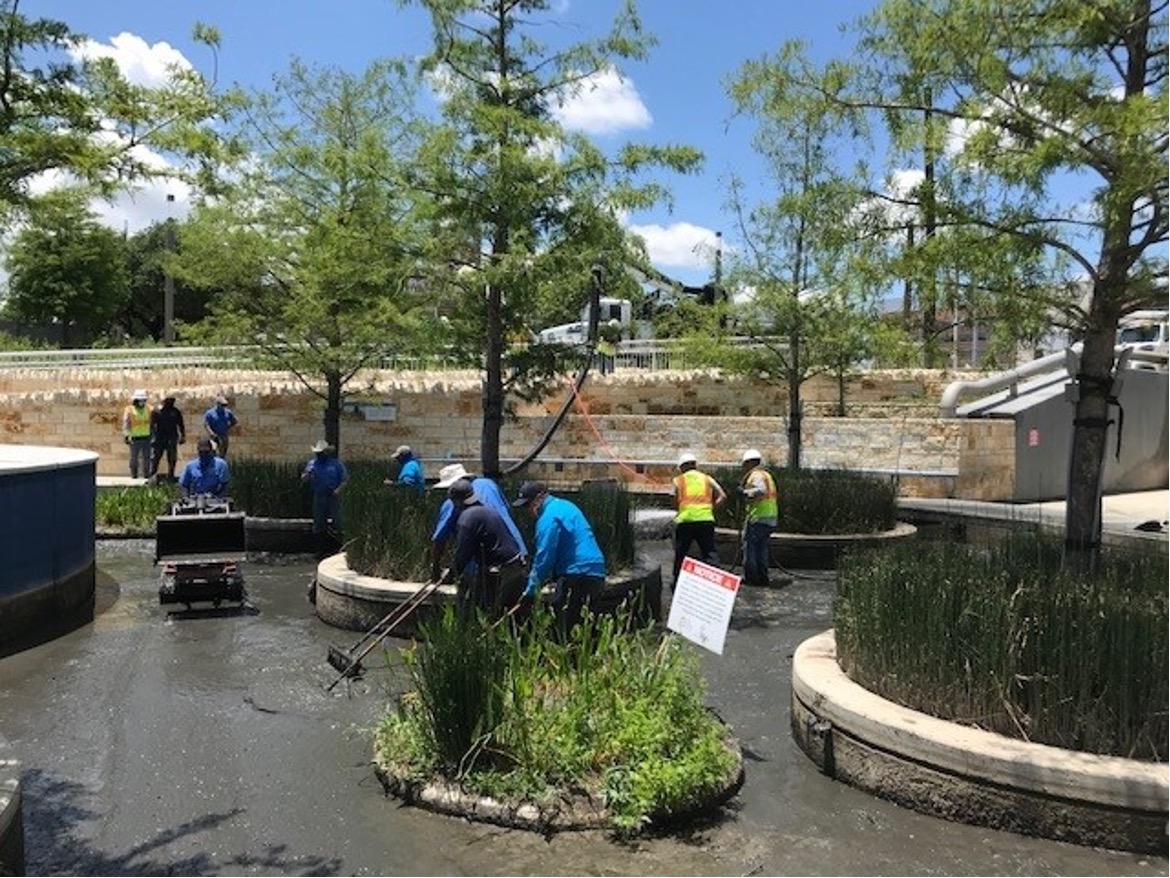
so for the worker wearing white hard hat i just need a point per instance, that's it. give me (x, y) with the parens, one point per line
(761, 512)
(696, 497)
(136, 433)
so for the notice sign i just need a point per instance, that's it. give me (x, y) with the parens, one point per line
(700, 608)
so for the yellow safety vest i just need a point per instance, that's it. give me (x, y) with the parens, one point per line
(136, 421)
(765, 506)
(696, 497)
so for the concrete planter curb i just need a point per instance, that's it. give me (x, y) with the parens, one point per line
(11, 822)
(811, 550)
(969, 775)
(347, 599)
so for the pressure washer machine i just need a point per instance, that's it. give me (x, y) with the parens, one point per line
(199, 545)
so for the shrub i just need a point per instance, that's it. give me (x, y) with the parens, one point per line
(133, 508)
(817, 501)
(616, 710)
(1003, 638)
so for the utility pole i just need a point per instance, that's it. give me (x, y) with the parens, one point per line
(169, 281)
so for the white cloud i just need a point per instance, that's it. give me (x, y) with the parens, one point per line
(604, 103)
(141, 63)
(679, 245)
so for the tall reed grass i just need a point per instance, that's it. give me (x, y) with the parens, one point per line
(615, 710)
(1005, 639)
(817, 501)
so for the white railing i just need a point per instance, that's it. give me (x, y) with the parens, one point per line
(643, 354)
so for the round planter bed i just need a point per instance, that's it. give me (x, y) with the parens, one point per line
(348, 599)
(568, 811)
(810, 550)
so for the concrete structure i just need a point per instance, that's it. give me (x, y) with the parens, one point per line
(47, 542)
(11, 823)
(967, 774)
(629, 425)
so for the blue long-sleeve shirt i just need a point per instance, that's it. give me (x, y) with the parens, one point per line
(565, 545)
(411, 475)
(326, 475)
(489, 495)
(202, 476)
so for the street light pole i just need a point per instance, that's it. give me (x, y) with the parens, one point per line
(169, 282)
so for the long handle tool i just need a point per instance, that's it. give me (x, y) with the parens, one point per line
(349, 664)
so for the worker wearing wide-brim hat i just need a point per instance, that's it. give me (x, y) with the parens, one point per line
(696, 497)
(761, 513)
(327, 476)
(488, 492)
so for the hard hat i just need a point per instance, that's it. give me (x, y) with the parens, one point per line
(751, 454)
(685, 458)
(139, 394)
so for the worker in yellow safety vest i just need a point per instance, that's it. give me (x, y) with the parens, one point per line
(761, 511)
(696, 497)
(136, 433)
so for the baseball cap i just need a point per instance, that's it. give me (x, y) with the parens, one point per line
(685, 458)
(529, 491)
(139, 394)
(401, 451)
(462, 493)
(450, 474)
(751, 454)
(221, 400)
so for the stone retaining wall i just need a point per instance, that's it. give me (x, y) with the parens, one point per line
(637, 423)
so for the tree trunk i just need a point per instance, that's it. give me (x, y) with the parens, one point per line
(794, 413)
(493, 384)
(332, 418)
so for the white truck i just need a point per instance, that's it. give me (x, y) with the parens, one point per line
(574, 333)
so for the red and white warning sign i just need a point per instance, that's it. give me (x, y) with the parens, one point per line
(700, 607)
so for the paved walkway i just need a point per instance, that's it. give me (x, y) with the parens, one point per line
(1120, 513)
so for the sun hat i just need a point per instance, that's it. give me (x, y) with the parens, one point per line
(685, 458)
(450, 474)
(751, 454)
(529, 491)
(321, 445)
(139, 394)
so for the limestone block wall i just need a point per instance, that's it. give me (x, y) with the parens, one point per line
(636, 423)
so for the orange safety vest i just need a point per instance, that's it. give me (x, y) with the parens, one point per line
(696, 497)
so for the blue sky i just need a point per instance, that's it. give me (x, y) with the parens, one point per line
(677, 96)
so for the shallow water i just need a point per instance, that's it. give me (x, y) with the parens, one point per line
(205, 744)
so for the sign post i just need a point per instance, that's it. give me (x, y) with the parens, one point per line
(700, 609)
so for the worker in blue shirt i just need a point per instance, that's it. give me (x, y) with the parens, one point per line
(218, 421)
(567, 554)
(327, 476)
(410, 472)
(206, 474)
(488, 564)
(488, 493)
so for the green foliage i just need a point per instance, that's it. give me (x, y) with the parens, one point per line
(79, 116)
(270, 489)
(388, 527)
(1006, 639)
(519, 208)
(617, 710)
(817, 501)
(66, 268)
(133, 508)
